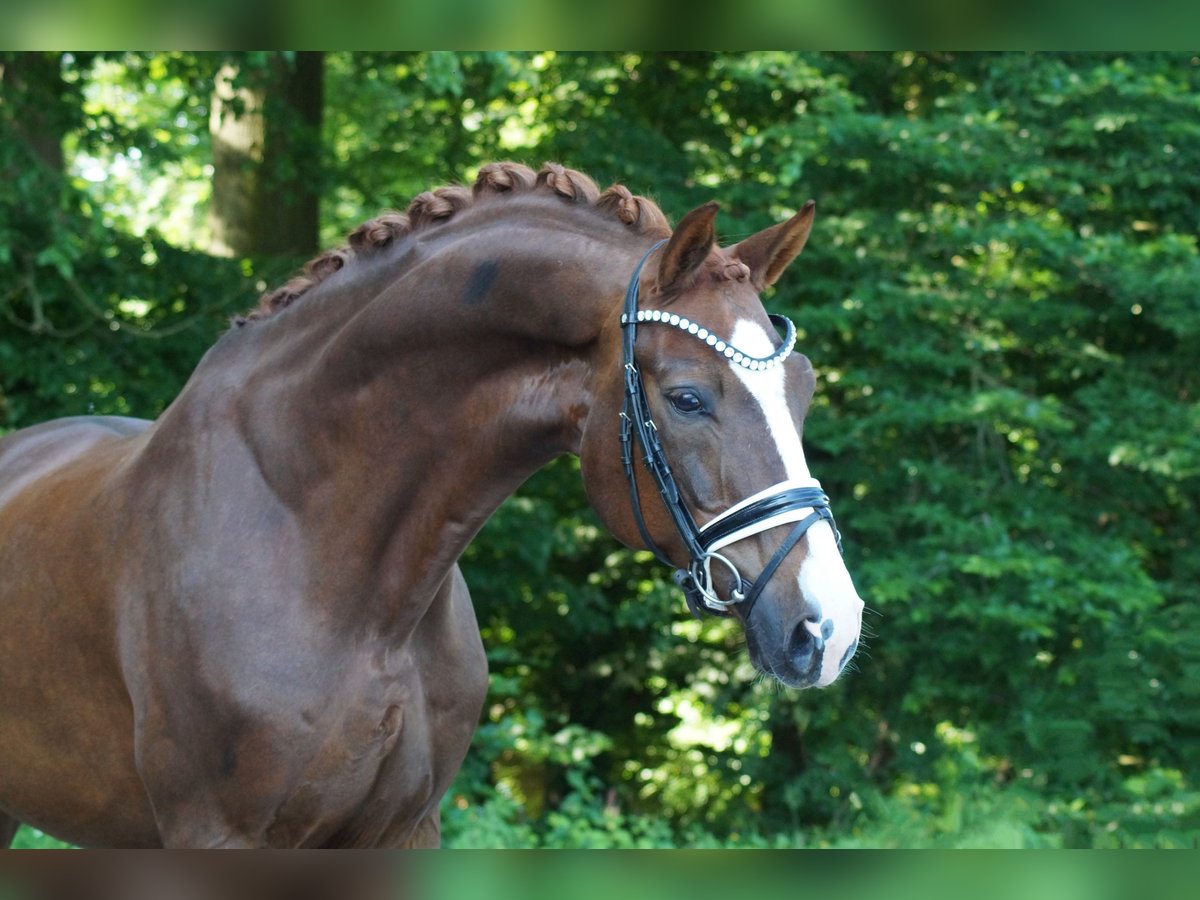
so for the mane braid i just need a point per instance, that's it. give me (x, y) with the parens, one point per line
(432, 208)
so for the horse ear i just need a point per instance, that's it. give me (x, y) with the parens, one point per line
(691, 242)
(770, 251)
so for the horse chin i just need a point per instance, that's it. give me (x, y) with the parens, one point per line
(784, 670)
(789, 677)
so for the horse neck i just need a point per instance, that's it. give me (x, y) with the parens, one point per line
(443, 387)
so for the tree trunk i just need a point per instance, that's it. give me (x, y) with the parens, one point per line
(33, 88)
(266, 134)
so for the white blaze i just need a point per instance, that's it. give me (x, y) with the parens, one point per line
(823, 579)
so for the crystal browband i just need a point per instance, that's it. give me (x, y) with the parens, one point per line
(753, 363)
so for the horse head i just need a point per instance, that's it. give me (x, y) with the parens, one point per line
(713, 401)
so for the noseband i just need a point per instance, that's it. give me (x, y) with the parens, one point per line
(799, 502)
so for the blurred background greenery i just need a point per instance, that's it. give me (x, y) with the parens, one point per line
(1001, 297)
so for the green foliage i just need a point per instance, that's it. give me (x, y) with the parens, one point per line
(1000, 298)
(32, 839)
(95, 319)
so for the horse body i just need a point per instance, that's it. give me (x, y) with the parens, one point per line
(243, 624)
(198, 688)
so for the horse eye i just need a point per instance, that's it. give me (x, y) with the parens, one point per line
(687, 402)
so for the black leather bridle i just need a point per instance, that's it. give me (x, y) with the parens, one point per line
(803, 504)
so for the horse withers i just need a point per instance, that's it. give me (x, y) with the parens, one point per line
(243, 624)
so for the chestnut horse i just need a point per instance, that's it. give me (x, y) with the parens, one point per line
(243, 624)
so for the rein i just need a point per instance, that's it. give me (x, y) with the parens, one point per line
(799, 502)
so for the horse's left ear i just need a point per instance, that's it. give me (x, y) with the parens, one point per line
(770, 251)
(690, 243)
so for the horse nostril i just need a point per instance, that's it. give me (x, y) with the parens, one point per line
(807, 643)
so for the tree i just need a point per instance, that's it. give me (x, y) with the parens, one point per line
(266, 133)
(39, 109)
(92, 318)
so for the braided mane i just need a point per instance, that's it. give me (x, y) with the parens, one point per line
(434, 207)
